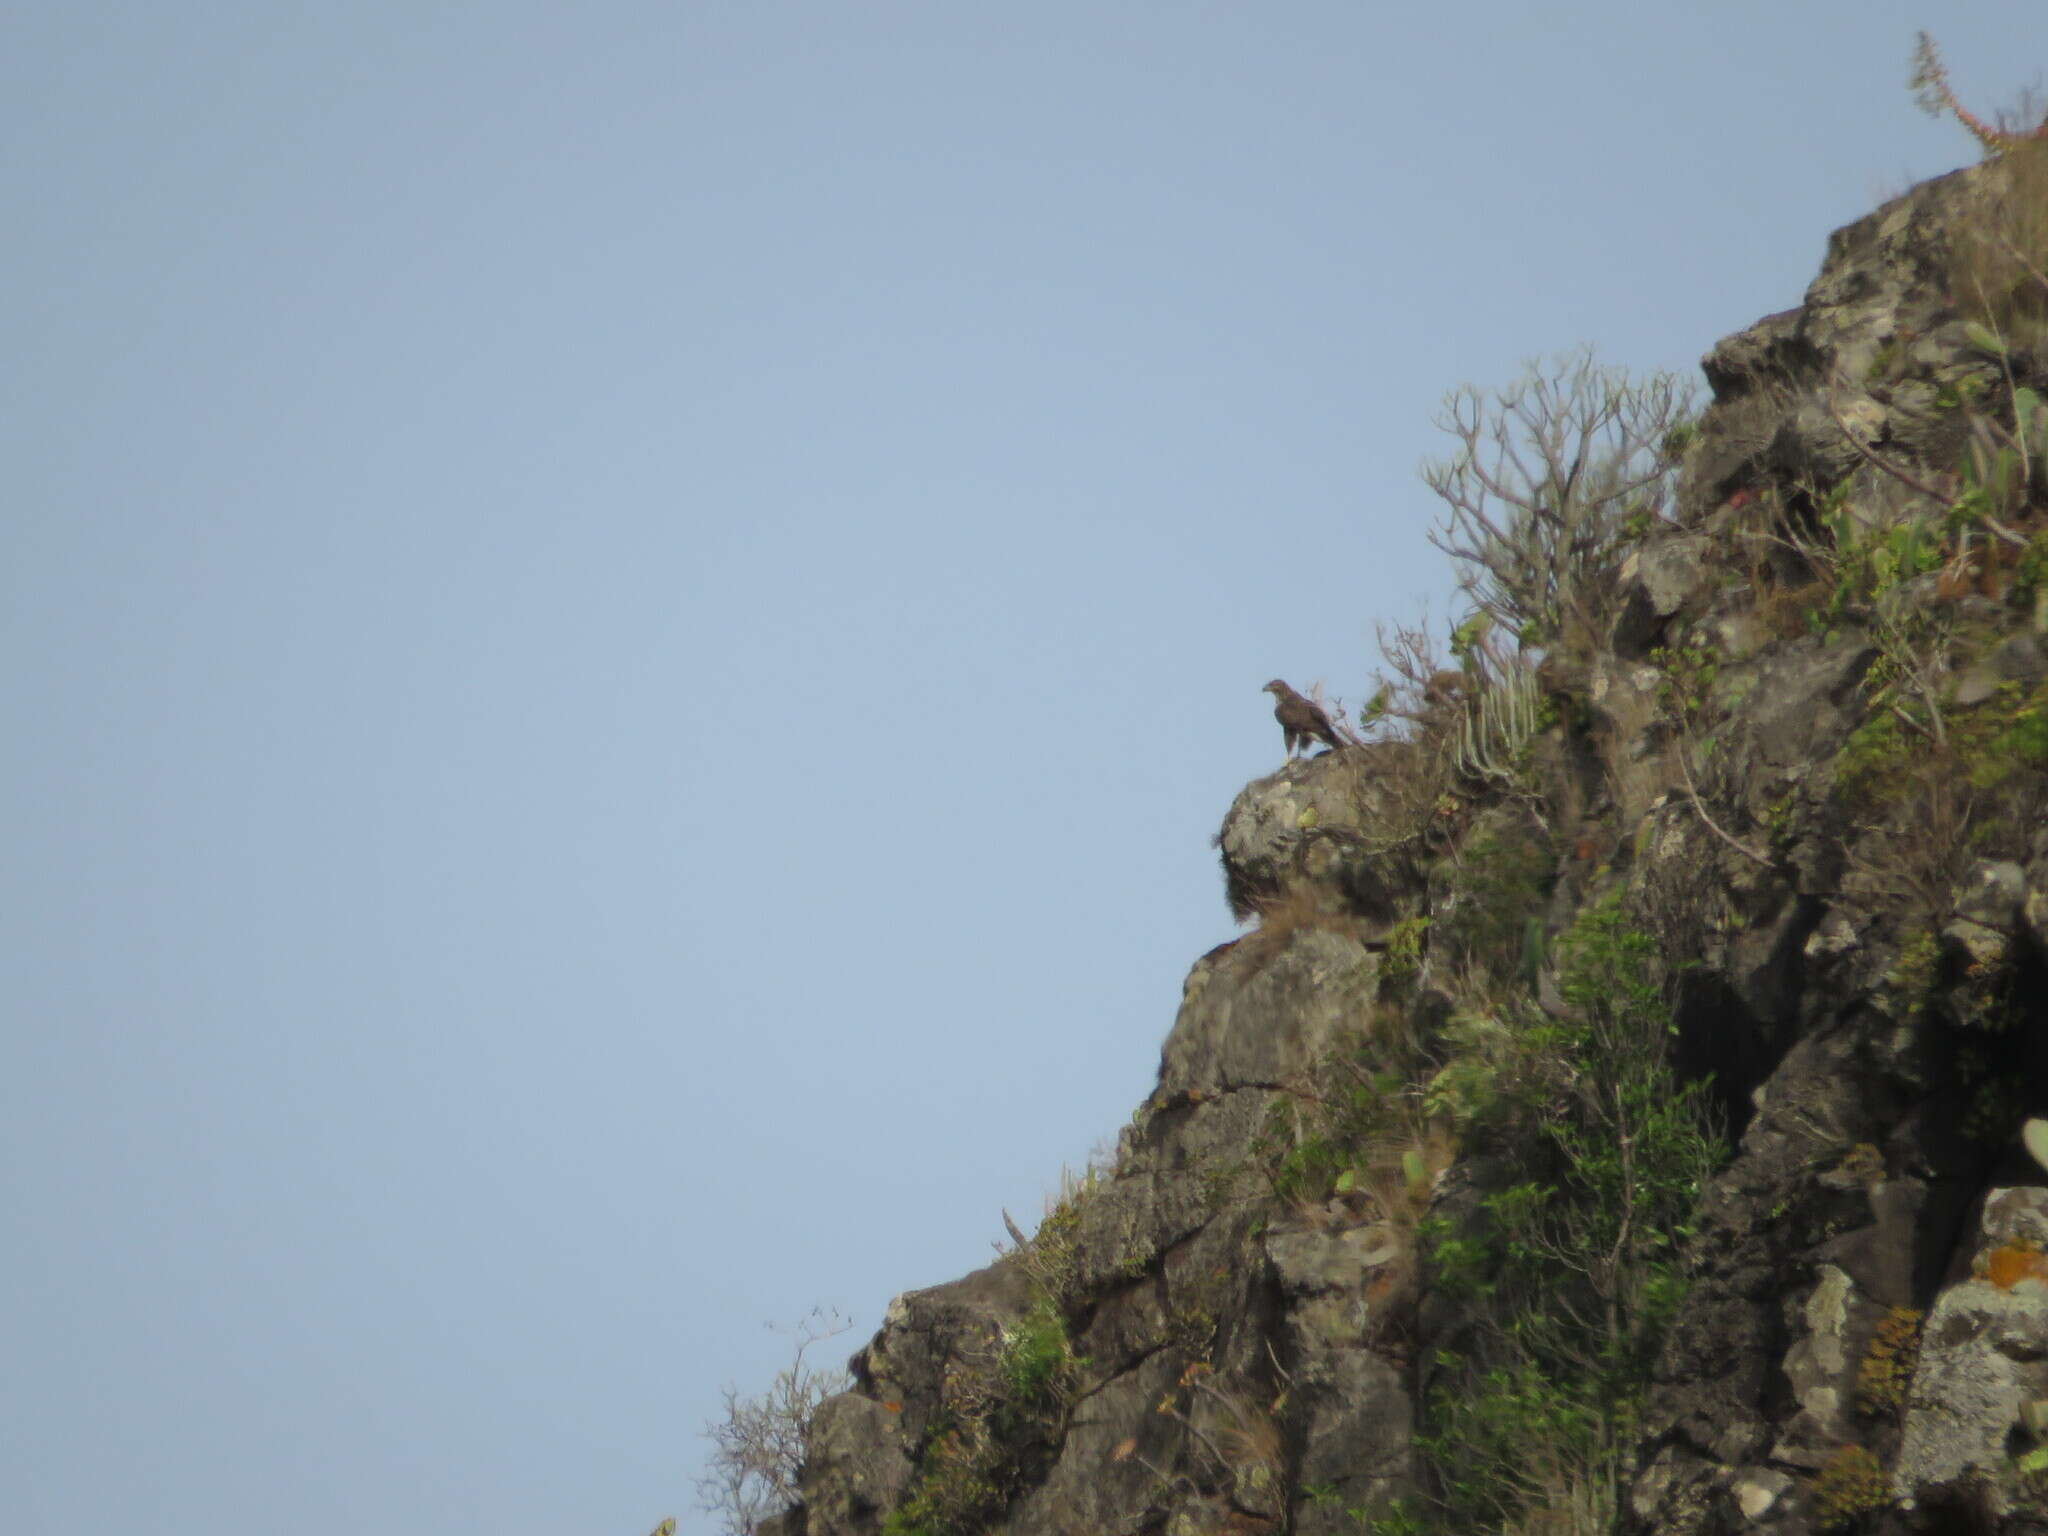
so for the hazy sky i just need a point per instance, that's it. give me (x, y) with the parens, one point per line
(626, 624)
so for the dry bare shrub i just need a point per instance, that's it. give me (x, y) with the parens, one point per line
(757, 1451)
(1919, 854)
(1239, 1433)
(1554, 477)
(1418, 692)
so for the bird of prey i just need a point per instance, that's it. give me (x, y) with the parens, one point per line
(1301, 719)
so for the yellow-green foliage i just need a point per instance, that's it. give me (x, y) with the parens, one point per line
(1887, 1368)
(1401, 958)
(2031, 571)
(1688, 679)
(1052, 1257)
(1466, 1088)
(1851, 1485)
(1985, 745)
(1356, 1126)
(1918, 966)
(990, 1410)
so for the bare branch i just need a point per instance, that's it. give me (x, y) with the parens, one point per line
(757, 1453)
(1551, 476)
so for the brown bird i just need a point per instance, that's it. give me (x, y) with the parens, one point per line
(1301, 719)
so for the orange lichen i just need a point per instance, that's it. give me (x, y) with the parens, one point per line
(2006, 1266)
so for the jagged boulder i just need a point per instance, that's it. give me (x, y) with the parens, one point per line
(1863, 361)
(1657, 581)
(1325, 832)
(1983, 1361)
(1210, 1380)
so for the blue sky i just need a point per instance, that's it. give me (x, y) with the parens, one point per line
(626, 624)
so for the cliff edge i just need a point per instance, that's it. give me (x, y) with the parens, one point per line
(1614, 1119)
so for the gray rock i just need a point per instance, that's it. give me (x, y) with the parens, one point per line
(1821, 1374)
(1992, 895)
(1356, 1440)
(1806, 701)
(857, 1464)
(1314, 825)
(1758, 1491)
(1983, 1357)
(2021, 658)
(1266, 1029)
(1656, 581)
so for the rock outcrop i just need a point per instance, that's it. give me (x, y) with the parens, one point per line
(1708, 967)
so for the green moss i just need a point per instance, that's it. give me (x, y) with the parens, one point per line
(1985, 744)
(2024, 739)
(991, 1416)
(1851, 1485)
(1873, 762)
(1687, 684)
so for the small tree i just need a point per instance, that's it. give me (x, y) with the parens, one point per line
(1553, 477)
(757, 1453)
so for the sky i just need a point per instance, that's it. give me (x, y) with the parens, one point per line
(625, 626)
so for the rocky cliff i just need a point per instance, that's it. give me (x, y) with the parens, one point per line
(1614, 1119)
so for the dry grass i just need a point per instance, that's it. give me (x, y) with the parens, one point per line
(1576, 1502)
(1298, 905)
(1917, 856)
(1998, 262)
(1237, 1431)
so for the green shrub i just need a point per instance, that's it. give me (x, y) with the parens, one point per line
(1503, 877)
(1036, 1361)
(1572, 1267)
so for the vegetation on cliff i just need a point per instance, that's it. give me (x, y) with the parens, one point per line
(1638, 997)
